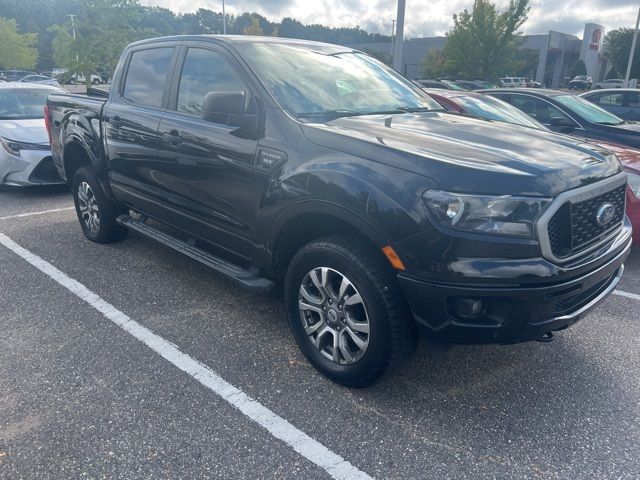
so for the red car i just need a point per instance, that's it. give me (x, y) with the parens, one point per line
(491, 108)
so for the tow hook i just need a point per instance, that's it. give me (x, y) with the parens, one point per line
(545, 337)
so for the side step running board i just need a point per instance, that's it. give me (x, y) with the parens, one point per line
(246, 278)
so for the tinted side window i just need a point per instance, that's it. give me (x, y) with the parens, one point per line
(610, 99)
(539, 109)
(634, 100)
(146, 76)
(205, 71)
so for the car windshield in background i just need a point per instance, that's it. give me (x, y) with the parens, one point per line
(321, 86)
(588, 110)
(495, 109)
(22, 103)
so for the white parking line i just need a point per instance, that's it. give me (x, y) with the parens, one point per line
(44, 212)
(634, 296)
(277, 426)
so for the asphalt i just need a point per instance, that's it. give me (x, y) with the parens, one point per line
(79, 397)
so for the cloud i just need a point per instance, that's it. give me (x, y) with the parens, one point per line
(423, 18)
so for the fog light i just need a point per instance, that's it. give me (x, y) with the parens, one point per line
(466, 308)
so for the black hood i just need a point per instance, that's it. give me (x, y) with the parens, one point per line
(469, 155)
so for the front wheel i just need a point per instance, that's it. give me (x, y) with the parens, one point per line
(347, 312)
(96, 213)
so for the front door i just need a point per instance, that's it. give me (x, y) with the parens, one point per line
(207, 168)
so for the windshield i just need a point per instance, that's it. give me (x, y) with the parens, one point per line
(494, 109)
(588, 111)
(322, 85)
(22, 103)
(453, 85)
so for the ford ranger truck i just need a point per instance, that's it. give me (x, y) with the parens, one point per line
(315, 167)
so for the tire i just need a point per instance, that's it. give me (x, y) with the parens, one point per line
(392, 334)
(92, 204)
(95, 81)
(72, 81)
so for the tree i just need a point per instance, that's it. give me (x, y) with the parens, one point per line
(254, 28)
(484, 43)
(102, 30)
(617, 49)
(383, 57)
(434, 64)
(16, 50)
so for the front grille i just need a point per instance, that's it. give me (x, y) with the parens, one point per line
(574, 228)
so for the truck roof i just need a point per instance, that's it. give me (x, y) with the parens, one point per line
(238, 39)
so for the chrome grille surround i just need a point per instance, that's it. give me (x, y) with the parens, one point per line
(577, 195)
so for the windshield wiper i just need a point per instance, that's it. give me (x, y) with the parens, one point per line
(340, 113)
(415, 109)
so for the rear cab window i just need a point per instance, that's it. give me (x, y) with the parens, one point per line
(146, 76)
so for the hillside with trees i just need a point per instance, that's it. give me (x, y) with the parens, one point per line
(104, 27)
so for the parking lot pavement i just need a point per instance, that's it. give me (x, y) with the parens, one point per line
(77, 394)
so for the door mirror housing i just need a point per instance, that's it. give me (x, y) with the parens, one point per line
(563, 124)
(218, 107)
(229, 108)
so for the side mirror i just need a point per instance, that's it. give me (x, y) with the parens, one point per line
(218, 107)
(228, 108)
(563, 124)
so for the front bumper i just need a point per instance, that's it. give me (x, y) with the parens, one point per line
(510, 314)
(32, 167)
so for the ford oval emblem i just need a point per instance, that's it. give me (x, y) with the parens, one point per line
(605, 214)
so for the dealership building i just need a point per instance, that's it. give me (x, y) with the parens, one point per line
(557, 54)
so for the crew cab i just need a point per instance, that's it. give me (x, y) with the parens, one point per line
(316, 167)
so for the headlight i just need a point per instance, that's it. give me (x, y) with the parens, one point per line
(634, 184)
(14, 148)
(501, 215)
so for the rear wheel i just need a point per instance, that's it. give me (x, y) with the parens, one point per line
(347, 312)
(97, 215)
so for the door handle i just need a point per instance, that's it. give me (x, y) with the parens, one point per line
(173, 138)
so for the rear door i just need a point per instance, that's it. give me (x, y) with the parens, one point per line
(632, 106)
(206, 167)
(130, 125)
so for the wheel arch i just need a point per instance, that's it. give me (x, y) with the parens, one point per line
(306, 221)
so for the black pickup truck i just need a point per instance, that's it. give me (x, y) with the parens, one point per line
(314, 166)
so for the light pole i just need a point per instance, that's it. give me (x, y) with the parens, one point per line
(224, 20)
(397, 46)
(633, 49)
(73, 24)
(393, 34)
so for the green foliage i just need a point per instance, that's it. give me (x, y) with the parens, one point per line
(617, 49)
(16, 50)
(483, 43)
(101, 32)
(132, 21)
(383, 57)
(254, 28)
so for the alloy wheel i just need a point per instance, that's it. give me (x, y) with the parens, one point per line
(334, 315)
(88, 207)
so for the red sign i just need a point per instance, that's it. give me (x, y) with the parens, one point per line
(596, 36)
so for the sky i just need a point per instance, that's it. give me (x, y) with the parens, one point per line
(423, 17)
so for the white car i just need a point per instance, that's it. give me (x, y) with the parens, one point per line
(95, 80)
(611, 83)
(513, 82)
(25, 152)
(40, 79)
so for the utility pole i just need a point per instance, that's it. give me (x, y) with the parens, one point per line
(73, 24)
(224, 20)
(633, 49)
(399, 38)
(393, 34)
